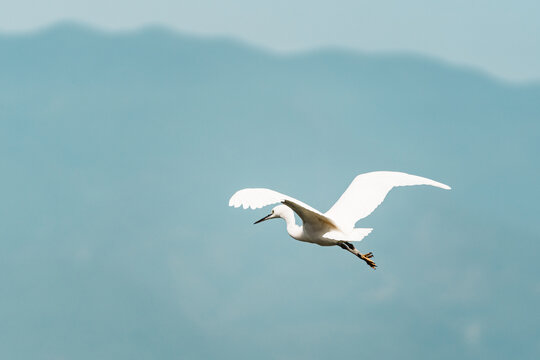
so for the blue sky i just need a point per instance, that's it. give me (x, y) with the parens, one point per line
(498, 37)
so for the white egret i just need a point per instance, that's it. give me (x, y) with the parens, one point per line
(336, 226)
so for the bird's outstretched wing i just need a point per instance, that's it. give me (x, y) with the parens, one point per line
(258, 197)
(367, 191)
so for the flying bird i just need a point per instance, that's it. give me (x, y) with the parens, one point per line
(336, 226)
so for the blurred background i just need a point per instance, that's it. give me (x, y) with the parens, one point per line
(126, 127)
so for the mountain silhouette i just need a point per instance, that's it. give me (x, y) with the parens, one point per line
(119, 152)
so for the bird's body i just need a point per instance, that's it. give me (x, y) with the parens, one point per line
(336, 226)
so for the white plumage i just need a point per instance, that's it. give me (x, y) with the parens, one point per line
(336, 226)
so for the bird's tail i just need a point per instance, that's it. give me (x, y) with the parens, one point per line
(355, 235)
(359, 234)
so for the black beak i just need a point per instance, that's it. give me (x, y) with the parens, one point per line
(264, 218)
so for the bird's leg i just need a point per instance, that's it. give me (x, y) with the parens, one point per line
(350, 248)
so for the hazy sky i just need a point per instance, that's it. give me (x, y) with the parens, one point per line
(500, 37)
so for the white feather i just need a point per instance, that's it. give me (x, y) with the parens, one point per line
(367, 192)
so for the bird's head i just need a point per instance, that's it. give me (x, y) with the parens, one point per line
(278, 211)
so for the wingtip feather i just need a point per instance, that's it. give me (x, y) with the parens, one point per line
(443, 186)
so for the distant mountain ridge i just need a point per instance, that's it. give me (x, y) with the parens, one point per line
(63, 31)
(64, 28)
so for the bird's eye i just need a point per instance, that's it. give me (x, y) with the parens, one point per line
(272, 212)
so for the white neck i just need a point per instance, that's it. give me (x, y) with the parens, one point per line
(294, 230)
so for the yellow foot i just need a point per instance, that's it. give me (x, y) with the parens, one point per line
(367, 258)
